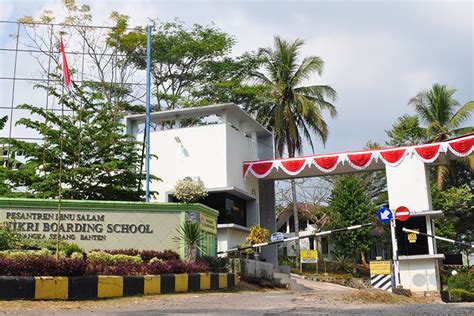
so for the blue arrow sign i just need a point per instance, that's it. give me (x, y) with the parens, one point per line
(384, 214)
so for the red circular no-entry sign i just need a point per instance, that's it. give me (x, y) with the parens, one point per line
(402, 213)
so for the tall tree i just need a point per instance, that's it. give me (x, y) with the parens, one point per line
(290, 109)
(99, 162)
(457, 204)
(104, 67)
(3, 121)
(4, 187)
(444, 118)
(350, 205)
(186, 62)
(406, 131)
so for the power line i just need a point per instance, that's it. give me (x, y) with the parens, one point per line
(65, 25)
(57, 52)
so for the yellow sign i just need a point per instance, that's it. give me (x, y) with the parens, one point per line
(309, 256)
(379, 267)
(208, 224)
(412, 236)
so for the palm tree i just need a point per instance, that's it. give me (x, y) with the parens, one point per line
(438, 109)
(444, 118)
(290, 109)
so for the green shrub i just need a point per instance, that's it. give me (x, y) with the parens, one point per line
(111, 260)
(343, 263)
(287, 261)
(69, 249)
(24, 254)
(216, 264)
(77, 255)
(463, 281)
(32, 244)
(8, 238)
(461, 295)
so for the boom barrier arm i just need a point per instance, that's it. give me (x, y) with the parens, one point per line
(338, 230)
(406, 230)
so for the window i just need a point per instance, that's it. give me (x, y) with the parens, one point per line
(232, 210)
(324, 246)
(412, 244)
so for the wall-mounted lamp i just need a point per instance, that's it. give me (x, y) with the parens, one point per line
(178, 140)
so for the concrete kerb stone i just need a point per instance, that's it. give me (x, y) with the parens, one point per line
(95, 287)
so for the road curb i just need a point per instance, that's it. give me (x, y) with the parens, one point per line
(108, 286)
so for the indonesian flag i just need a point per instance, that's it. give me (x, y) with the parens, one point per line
(67, 77)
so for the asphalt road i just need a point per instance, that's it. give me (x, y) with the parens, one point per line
(309, 298)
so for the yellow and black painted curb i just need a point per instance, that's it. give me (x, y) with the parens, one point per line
(94, 287)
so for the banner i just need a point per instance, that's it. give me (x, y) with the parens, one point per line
(309, 256)
(208, 224)
(379, 267)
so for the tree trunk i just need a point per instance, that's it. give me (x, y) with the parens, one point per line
(296, 222)
(364, 261)
(354, 263)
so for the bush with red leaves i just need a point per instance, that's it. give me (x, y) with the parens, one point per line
(42, 266)
(50, 266)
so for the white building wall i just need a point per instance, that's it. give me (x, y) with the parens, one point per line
(240, 148)
(229, 238)
(408, 185)
(200, 154)
(419, 275)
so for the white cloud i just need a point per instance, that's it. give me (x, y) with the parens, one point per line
(377, 54)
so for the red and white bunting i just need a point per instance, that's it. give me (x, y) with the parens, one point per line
(261, 169)
(294, 166)
(461, 147)
(428, 153)
(327, 163)
(393, 157)
(360, 161)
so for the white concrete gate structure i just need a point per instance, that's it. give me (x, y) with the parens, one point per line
(416, 268)
(215, 153)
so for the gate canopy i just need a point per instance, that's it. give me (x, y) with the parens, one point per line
(353, 161)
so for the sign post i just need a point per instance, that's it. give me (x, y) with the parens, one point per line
(402, 213)
(309, 256)
(384, 215)
(380, 275)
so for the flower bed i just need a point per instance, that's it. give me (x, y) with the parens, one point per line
(100, 274)
(43, 263)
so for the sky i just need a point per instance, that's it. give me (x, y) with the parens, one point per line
(378, 54)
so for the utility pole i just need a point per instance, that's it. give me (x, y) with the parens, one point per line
(147, 120)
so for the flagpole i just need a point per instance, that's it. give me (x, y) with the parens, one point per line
(147, 121)
(66, 79)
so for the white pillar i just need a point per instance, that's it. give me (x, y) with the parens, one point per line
(408, 185)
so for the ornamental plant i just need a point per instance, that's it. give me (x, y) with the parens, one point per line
(146, 255)
(257, 235)
(189, 191)
(190, 237)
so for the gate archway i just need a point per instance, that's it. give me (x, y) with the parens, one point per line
(407, 185)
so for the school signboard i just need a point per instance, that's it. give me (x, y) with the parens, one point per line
(107, 225)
